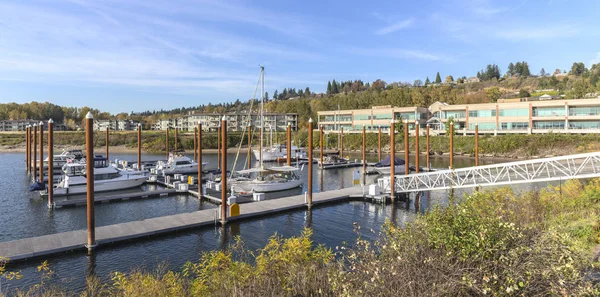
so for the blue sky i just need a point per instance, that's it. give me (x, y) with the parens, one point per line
(134, 55)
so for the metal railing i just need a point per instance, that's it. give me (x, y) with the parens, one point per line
(538, 170)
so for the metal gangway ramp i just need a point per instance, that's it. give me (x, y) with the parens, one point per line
(537, 170)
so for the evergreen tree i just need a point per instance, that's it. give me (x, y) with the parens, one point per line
(525, 71)
(542, 72)
(307, 92)
(438, 79)
(275, 95)
(427, 81)
(511, 69)
(334, 87)
(328, 87)
(267, 96)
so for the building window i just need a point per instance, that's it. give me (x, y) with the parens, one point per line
(584, 125)
(548, 111)
(514, 126)
(458, 114)
(515, 112)
(549, 125)
(482, 113)
(584, 111)
(483, 126)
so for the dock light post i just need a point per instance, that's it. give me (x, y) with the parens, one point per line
(139, 146)
(393, 161)
(224, 170)
(51, 163)
(310, 163)
(199, 154)
(476, 144)
(342, 142)
(364, 153)
(427, 145)
(406, 150)
(41, 152)
(320, 146)
(379, 144)
(452, 145)
(28, 148)
(249, 158)
(107, 139)
(289, 144)
(167, 144)
(34, 148)
(89, 168)
(417, 152)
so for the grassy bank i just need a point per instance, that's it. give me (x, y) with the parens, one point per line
(499, 146)
(493, 243)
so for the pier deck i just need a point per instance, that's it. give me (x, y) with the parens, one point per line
(23, 249)
(124, 196)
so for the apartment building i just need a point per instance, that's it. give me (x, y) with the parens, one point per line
(16, 125)
(115, 125)
(235, 121)
(557, 116)
(352, 121)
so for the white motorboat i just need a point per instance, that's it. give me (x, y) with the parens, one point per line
(58, 161)
(333, 161)
(106, 178)
(178, 164)
(266, 180)
(279, 152)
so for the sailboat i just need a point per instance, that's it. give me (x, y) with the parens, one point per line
(263, 179)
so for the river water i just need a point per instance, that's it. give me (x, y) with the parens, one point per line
(24, 214)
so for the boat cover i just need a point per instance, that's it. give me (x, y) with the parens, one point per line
(387, 161)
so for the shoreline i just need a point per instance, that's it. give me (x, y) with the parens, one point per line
(125, 149)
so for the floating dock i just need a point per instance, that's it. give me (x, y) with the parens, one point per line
(27, 248)
(115, 197)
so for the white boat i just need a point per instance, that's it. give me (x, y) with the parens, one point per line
(266, 180)
(106, 178)
(178, 164)
(58, 161)
(279, 152)
(333, 161)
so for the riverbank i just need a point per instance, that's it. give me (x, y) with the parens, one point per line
(494, 242)
(512, 146)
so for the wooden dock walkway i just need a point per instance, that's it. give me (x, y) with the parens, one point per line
(114, 197)
(23, 249)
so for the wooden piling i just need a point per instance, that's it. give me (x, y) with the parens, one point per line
(195, 134)
(392, 161)
(224, 171)
(249, 158)
(289, 144)
(310, 163)
(167, 144)
(417, 151)
(476, 145)
(34, 169)
(176, 138)
(199, 154)
(451, 145)
(51, 163)
(107, 144)
(427, 147)
(28, 149)
(89, 160)
(342, 142)
(139, 148)
(219, 146)
(364, 153)
(406, 149)
(41, 164)
(320, 146)
(379, 144)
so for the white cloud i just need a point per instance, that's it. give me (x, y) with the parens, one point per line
(395, 27)
(537, 33)
(399, 53)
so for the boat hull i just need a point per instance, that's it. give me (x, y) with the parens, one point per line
(102, 186)
(249, 186)
(399, 169)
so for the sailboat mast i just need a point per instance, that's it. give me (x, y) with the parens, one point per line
(262, 112)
